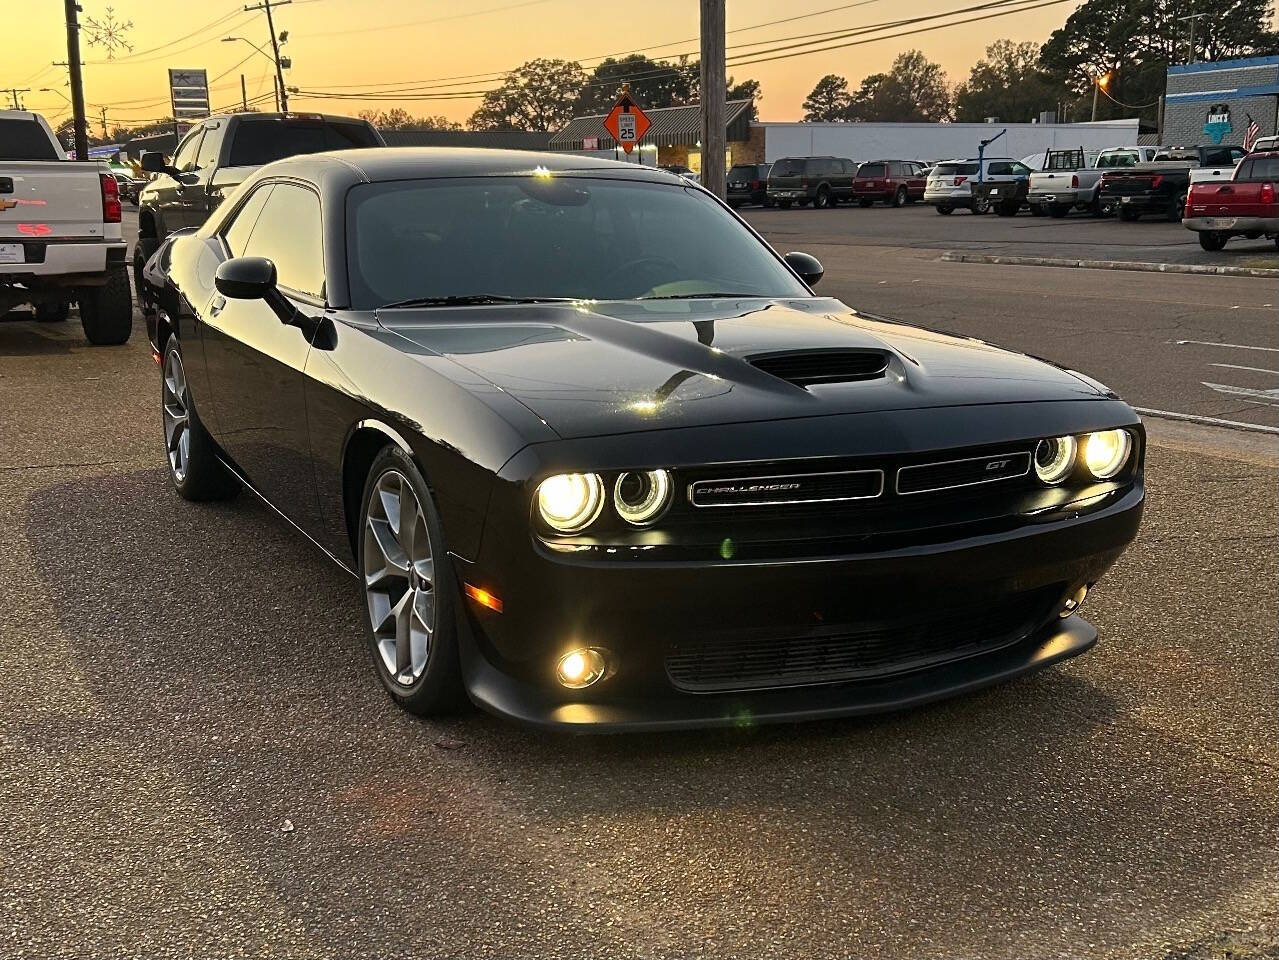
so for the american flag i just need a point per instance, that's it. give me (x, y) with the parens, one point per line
(1250, 137)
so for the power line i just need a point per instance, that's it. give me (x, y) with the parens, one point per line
(414, 23)
(132, 57)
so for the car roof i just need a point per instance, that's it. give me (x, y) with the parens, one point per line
(251, 115)
(379, 164)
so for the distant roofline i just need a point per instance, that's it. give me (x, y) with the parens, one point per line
(1211, 65)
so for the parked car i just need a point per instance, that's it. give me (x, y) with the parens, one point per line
(1162, 186)
(1265, 145)
(218, 154)
(748, 183)
(129, 187)
(898, 182)
(1247, 206)
(950, 185)
(1071, 179)
(60, 232)
(821, 181)
(838, 515)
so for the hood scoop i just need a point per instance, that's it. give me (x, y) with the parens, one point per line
(805, 368)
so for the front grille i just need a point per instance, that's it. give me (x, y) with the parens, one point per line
(807, 367)
(839, 655)
(968, 472)
(789, 489)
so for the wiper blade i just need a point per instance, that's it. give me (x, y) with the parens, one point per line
(701, 296)
(469, 300)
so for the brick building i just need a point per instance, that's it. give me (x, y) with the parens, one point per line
(1212, 102)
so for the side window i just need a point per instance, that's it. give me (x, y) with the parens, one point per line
(288, 234)
(1245, 170)
(236, 234)
(1000, 168)
(208, 153)
(184, 159)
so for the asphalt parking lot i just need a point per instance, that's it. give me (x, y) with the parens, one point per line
(195, 759)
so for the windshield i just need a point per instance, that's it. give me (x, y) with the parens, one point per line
(743, 172)
(788, 168)
(951, 169)
(1120, 158)
(24, 140)
(258, 142)
(533, 237)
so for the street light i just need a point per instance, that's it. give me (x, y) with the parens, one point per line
(1100, 81)
(280, 96)
(58, 92)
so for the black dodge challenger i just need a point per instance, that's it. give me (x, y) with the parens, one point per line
(599, 458)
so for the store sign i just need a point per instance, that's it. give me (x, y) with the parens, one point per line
(189, 93)
(1217, 124)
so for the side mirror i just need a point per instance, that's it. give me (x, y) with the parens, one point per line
(245, 278)
(808, 267)
(153, 162)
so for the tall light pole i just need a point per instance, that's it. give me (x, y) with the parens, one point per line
(275, 47)
(1099, 81)
(714, 83)
(1192, 18)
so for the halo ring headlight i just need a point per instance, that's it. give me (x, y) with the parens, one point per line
(1055, 459)
(569, 502)
(1106, 452)
(640, 496)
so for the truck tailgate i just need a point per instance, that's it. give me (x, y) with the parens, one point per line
(1238, 198)
(51, 199)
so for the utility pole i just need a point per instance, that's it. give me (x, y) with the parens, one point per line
(282, 95)
(77, 81)
(14, 91)
(104, 123)
(244, 95)
(1096, 85)
(714, 82)
(1192, 18)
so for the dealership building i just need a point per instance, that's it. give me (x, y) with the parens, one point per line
(1215, 102)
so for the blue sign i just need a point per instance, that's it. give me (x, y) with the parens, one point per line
(1218, 123)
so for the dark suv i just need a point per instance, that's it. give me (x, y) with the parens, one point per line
(821, 181)
(748, 183)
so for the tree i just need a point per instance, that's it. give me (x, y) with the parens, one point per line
(654, 83)
(829, 101)
(1008, 84)
(538, 96)
(400, 119)
(1134, 42)
(913, 90)
(733, 90)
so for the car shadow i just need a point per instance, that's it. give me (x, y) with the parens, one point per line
(21, 336)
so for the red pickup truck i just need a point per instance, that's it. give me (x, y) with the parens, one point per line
(1244, 206)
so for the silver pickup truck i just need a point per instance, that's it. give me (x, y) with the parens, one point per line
(1070, 179)
(60, 232)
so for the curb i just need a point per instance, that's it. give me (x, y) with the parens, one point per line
(952, 257)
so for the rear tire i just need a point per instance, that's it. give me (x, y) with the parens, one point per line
(106, 312)
(822, 200)
(52, 312)
(1212, 242)
(194, 468)
(1177, 209)
(408, 588)
(899, 198)
(979, 206)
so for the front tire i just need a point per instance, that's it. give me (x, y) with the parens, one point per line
(106, 312)
(408, 588)
(980, 206)
(1212, 242)
(1176, 209)
(194, 468)
(142, 251)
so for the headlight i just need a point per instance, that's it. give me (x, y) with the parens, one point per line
(570, 502)
(1106, 452)
(640, 496)
(1055, 458)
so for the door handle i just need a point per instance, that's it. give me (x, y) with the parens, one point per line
(216, 306)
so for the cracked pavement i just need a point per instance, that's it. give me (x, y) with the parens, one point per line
(177, 681)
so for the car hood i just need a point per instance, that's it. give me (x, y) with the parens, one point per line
(596, 368)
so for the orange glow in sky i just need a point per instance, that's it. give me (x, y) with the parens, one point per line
(357, 45)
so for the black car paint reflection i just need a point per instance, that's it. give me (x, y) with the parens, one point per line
(490, 399)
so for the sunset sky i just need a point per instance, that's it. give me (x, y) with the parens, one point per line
(356, 45)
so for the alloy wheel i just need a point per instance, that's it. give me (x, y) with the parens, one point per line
(177, 416)
(399, 577)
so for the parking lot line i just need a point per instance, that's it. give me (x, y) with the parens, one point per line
(1209, 421)
(1236, 366)
(1232, 346)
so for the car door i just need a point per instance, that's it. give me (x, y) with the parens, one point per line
(915, 181)
(169, 188)
(847, 173)
(255, 362)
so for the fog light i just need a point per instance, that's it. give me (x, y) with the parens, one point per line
(1073, 602)
(580, 668)
(1106, 452)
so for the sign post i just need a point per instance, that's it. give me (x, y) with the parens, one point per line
(189, 95)
(626, 123)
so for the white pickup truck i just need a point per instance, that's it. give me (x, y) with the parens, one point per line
(1070, 179)
(60, 234)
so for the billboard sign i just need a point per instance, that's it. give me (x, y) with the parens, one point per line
(189, 93)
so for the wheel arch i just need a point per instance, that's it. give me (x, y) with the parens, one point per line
(148, 223)
(365, 441)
